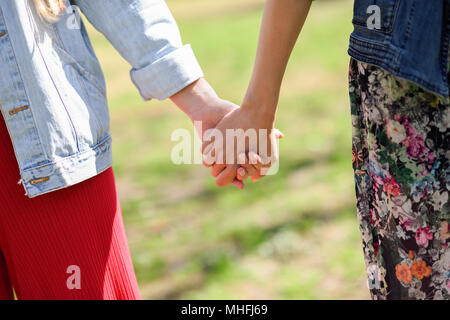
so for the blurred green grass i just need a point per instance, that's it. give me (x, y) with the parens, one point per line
(290, 236)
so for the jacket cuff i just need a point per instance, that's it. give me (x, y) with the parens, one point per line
(167, 75)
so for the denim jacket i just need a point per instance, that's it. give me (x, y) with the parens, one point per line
(408, 38)
(52, 90)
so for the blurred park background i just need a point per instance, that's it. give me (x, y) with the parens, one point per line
(289, 236)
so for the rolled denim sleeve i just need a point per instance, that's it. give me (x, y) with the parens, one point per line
(145, 33)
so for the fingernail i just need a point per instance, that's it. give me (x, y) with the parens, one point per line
(253, 157)
(241, 158)
(278, 134)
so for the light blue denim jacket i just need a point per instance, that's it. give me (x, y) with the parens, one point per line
(52, 90)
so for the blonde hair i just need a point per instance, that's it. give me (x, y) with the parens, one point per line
(50, 10)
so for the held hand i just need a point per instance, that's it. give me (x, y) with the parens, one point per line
(242, 145)
(200, 103)
(210, 117)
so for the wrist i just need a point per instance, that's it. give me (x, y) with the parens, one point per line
(260, 109)
(194, 98)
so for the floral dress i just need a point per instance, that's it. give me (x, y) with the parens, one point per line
(401, 166)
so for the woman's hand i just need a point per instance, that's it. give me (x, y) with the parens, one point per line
(242, 145)
(200, 103)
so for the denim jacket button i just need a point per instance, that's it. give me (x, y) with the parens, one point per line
(17, 110)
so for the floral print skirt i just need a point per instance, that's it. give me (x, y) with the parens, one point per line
(401, 164)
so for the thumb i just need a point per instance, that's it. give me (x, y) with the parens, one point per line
(238, 184)
(278, 133)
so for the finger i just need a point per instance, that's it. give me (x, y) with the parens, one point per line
(267, 161)
(256, 176)
(255, 160)
(207, 163)
(246, 170)
(212, 141)
(242, 158)
(239, 184)
(250, 169)
(210, 159)
(227, 176)
(278, 133)
(216, 169)
(209, 155)
(209, 138)
(207, 146)
(242, 173)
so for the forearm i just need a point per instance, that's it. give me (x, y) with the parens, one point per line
(281, 25)
(195, 97)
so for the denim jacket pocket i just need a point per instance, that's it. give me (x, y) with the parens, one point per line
(378, 16)
(92, 91)
(67, 58)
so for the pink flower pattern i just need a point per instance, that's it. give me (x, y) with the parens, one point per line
(401, 183)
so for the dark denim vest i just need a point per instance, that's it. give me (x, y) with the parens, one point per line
(409, 38)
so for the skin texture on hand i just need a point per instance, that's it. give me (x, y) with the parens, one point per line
(242, 130)
(200, 103)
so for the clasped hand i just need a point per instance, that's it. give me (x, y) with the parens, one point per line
(238, 142)
(242, 145)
